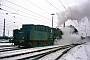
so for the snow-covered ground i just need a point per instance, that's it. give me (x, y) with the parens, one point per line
(81, 52)
(2, 44)
(3, 40)
(52, 56)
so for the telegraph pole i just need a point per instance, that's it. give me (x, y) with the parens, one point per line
(64, 25)
(4, 29)
(52, 19)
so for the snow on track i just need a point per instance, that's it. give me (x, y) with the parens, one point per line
(53, 56)
(9, 53)
(81, 52)
(32, 52)
(29, 55)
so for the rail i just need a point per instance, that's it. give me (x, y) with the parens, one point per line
(34, 54)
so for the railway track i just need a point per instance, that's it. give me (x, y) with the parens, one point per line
(8, 49)
(35, 53)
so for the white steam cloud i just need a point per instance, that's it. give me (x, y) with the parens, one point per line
(68, 37)
(75, 12)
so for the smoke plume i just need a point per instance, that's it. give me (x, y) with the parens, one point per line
(75, 12)
(68, 37)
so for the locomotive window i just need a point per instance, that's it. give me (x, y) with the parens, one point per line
(38, 28)
(45, 29)
(35, 27)
(41, 29)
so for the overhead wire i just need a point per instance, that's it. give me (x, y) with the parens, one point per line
(17, 10)
(8, 23)
(18, 5)
(62, 5)
(23, 15)
(8, 19)
(66, 9)
(72, 14)
(69, 8)
(38, 7)
(32, 20)
(29, 10)
(59, 10)
(26, 9)
(20, 11)
(53, 6)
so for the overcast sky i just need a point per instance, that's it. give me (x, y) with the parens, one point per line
(18, 12)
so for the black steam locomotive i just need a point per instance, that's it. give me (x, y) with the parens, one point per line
(35, 35)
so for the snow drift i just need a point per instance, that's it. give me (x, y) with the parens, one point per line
(81, 52)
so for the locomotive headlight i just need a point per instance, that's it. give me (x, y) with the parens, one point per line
(21, 41)
(23, 37)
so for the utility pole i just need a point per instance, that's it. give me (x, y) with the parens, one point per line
(64, 25)
(4, 29)
(52, 19)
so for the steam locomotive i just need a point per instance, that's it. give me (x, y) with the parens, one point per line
(31, 35)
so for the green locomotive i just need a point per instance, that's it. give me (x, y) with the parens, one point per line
(35, 35)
